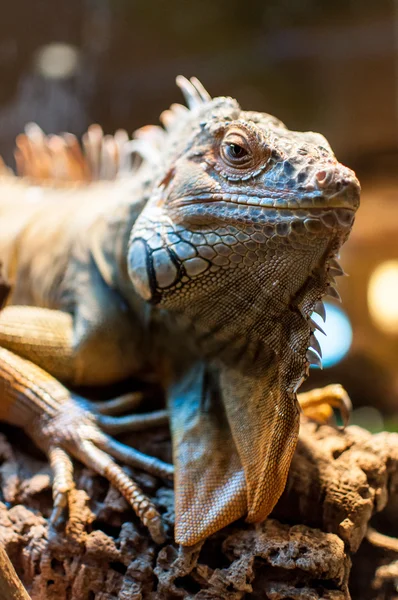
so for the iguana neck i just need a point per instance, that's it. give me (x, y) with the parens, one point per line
(110, 234)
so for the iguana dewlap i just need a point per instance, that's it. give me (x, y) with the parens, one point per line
(203, 263)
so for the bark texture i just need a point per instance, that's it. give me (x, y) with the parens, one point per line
(312, 547)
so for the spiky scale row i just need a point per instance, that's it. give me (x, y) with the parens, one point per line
(314, 325)
(319, 308)
(314, 352)
(315, 345)
(333, 293)
(334, 272)
(313, 358)
(337, 269)
(194, 92)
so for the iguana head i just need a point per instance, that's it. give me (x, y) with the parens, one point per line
(239, 241)
(242, 204)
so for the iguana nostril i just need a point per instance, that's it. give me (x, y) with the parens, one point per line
(323, 177)
(339, 182)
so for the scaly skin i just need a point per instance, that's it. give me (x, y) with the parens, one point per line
(204, 266)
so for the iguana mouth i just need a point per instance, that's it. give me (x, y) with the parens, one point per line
(279, 201)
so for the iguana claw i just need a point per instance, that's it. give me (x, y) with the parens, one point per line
(322, 404)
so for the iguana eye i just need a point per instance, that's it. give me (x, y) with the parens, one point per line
(235, 151)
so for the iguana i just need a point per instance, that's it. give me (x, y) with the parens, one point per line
(203, 265)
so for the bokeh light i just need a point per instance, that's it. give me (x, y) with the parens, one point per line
(383, 296)
(338, 339)
(57, 60)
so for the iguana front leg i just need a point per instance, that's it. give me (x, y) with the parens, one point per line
(70, 348)
(43, 336)
(63, 426)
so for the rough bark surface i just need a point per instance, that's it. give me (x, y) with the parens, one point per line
(307, 550)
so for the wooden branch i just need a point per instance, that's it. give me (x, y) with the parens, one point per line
(11, 587)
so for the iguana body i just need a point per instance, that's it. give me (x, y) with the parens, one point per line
(203, 266)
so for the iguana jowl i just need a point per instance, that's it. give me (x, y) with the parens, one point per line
(203, 265)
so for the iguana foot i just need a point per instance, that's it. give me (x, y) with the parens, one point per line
(63, 426)
(322, 404)
(110, 424)
(75, 431)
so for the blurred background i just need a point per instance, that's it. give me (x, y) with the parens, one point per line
(325, 66)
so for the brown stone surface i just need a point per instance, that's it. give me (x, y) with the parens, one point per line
(337, 483)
